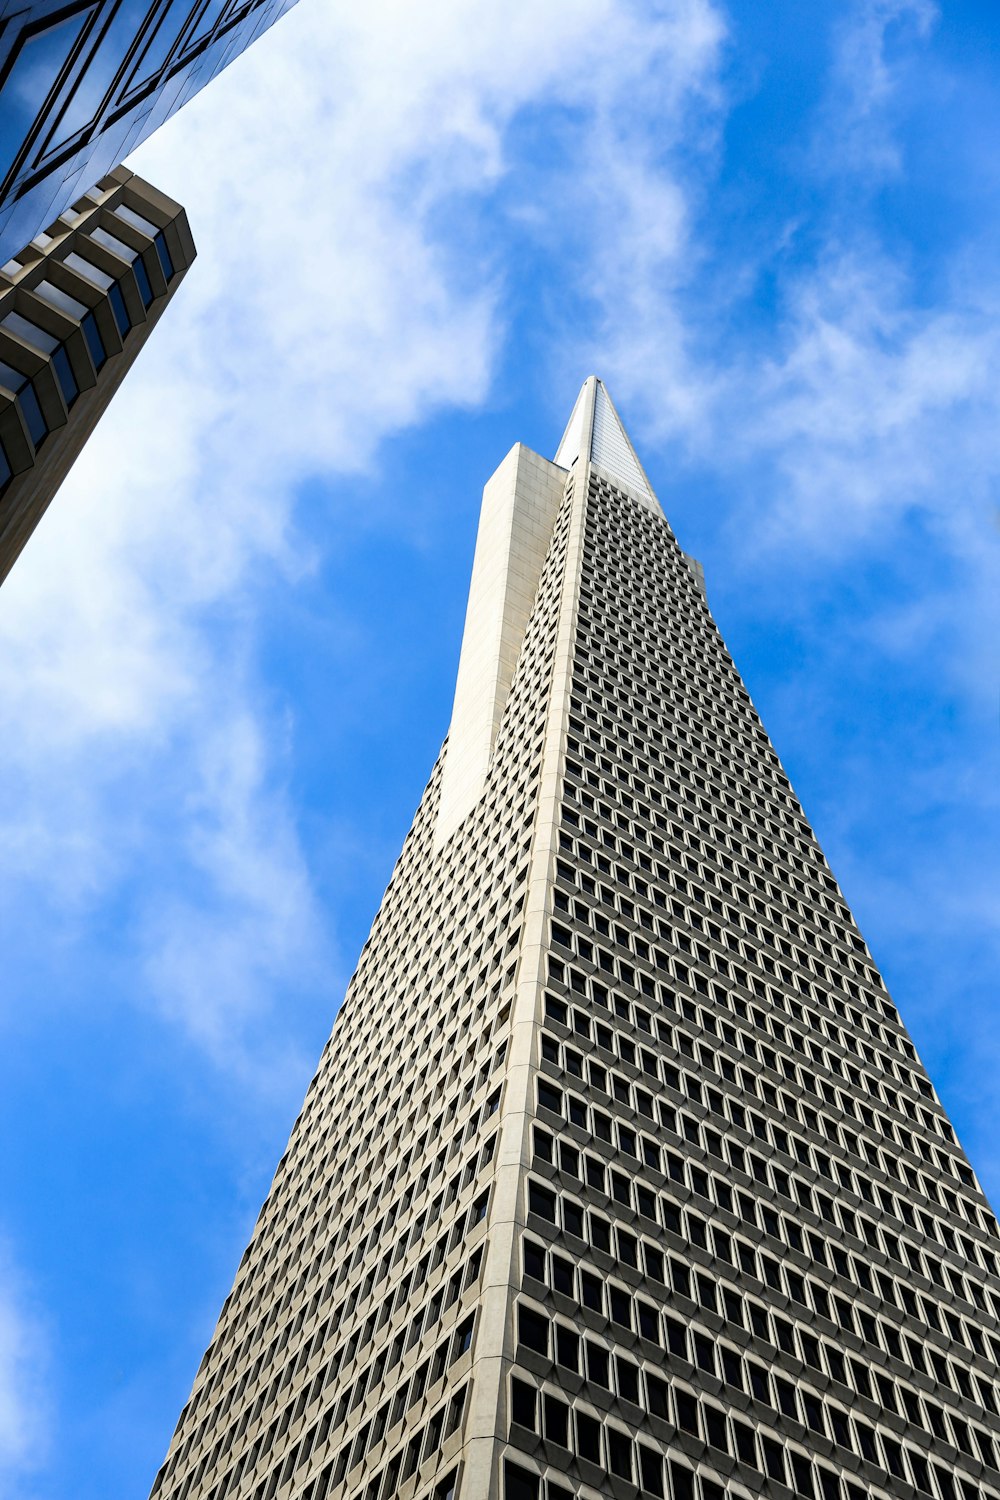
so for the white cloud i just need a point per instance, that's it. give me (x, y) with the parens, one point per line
(346, 289)
(856, 129)
(24, 1402)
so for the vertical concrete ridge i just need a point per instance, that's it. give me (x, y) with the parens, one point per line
(486, 1427)
(520, 504)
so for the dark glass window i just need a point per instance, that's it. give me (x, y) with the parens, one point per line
(556, 1421)
(532, 1330)
(573, 1218)
(519, 1484)
(567, 1347)
(166, 263)
(65, 376)
(95, 343)
(651, 1471)
(541, 1202)
(143, 281)
(619, 1453)
(35, 422)
(588, 1438)
(119, 309)
(522, 1404)
(6, 472)
(534, 1260)
(562, 1275)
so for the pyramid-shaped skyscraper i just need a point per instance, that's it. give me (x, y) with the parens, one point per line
(619, 1175)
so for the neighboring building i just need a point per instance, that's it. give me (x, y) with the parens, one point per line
(619, 1174)
(76, 307)
(82, 82)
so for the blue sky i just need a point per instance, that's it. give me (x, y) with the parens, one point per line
(227, 656)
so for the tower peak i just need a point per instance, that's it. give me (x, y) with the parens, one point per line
(595, 429)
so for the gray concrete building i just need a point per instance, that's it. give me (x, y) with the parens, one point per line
(76, 307)
(619, 1174)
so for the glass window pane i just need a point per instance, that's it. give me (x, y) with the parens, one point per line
(56, 297)
(88, 270)
(117, 247)
(6, 472)
(136, 220)
(144, 284)
(35, 422)
(11, 378)
(103, 62)
(29, 332)
(95, 343)
(119, 309)
(35, 69)
(65, 376)
(164, 254)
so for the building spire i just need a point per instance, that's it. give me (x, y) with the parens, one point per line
(595, 430)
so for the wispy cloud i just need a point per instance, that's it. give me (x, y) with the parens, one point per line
(347, 289)
(873, 44)
(24, 1403)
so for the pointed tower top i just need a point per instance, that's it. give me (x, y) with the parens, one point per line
(596, 430)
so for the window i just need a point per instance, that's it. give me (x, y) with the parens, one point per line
(556, 1420)
(619, 1453)
(121, 312)
(532, 1330)
(64, 375)
(534, 1260)
(88, 271)
(166, 262)
(588, 1438)
(567, 1348)
(20, 386)
(142, 281)
(541, 1202)
(95, 342)
(519, 1484)
(523, 1402)
(30, 332)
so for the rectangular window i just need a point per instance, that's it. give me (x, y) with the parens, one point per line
(137, 221)
(523, 1401)
(118, 308)
(95, 342)
(556, 1421)
(142, 281)
(588, 1438)
(88, 270)
(30, 332)
(532, 1330)
(65, 376)
(112, 243)
(519, 1484)
(35, 422)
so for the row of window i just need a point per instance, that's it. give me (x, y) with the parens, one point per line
(634, 1313)
(679, 1407)
(385, 1484)
(345, 1349)
(697, 1349)
(21, 385)
(729, 1111)
(614, 968)
(629, 1190)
